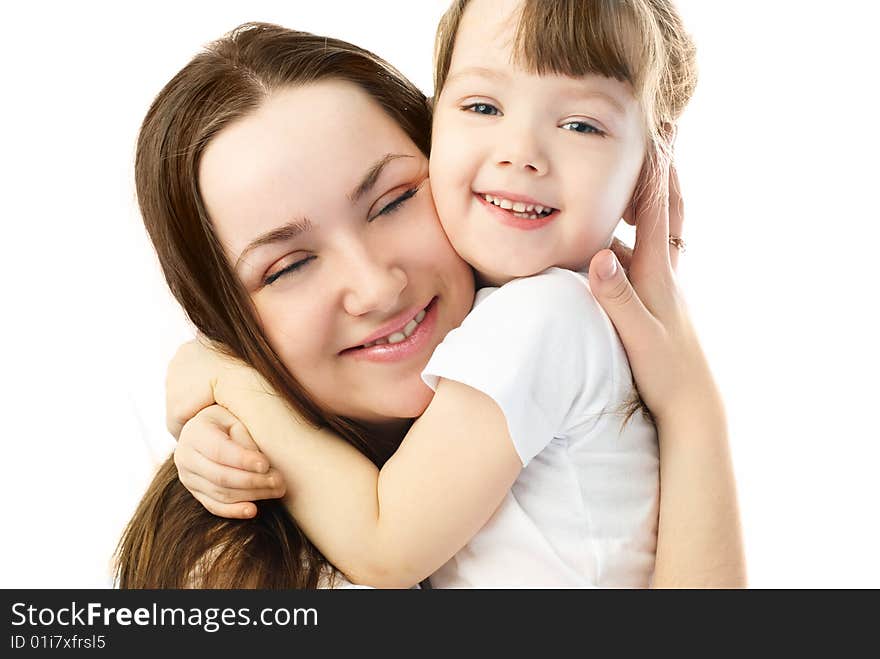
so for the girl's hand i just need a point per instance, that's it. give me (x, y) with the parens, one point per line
(189, 383)
(214, 457)
(650, 313)
(220, 473)
(192, 378)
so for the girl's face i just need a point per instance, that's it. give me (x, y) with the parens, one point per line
(528, 171)
(324, 209)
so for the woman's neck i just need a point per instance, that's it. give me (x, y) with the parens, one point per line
(391, 432)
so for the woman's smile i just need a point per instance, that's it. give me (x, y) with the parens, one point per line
(408, 337)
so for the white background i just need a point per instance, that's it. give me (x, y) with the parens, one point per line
(778, 156)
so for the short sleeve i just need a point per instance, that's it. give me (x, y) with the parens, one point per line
(538, 346)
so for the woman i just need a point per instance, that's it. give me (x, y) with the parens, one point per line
(211, 268)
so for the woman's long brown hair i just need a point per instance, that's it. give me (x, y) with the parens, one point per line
(173, 541)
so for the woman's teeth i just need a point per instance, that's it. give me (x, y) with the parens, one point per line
(518, 208)
(397, 337)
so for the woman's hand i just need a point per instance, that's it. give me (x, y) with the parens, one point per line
(699, 537)
(649, 313)
(215, 458)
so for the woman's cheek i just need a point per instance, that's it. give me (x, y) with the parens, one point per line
(294, 328)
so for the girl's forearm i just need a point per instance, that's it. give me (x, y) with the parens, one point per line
(699, 542)
(395, 527)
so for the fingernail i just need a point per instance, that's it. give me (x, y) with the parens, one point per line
(607, 266)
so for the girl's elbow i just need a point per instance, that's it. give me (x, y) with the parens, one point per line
(384, 575)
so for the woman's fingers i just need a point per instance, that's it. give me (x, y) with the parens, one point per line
(623, 252)
(651, 251)
(676, 214)
(613, 291)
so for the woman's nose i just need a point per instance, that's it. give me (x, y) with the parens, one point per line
(373, 286)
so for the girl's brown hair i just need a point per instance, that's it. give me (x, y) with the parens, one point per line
(642, 42)
(172, 541)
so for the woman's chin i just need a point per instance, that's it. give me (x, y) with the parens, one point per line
(407, 405)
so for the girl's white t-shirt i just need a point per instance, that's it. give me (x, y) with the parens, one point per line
(583, 511)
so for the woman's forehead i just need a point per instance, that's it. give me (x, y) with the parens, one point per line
(296, 126)
(298, 154)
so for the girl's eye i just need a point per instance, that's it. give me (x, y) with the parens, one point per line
(268, 281)
(482, 108)
(581, 127)
(397, 203)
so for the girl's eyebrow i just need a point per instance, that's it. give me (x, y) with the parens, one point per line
(578, 93)
(479, 71)
(500, 76)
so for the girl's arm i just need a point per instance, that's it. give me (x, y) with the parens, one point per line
(395, 527)
(699, 541)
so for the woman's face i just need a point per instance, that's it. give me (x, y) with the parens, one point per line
(323, 206)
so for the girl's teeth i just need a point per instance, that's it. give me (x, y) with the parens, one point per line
(410, 327)
(420, 316)
(397, 337)
(516, 206)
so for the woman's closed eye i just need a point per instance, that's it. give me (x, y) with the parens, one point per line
(396, 203)
(389, 208)
(293, 267)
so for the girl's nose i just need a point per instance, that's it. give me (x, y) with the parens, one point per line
(521, 150)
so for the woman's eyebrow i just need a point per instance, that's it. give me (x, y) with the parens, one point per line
(285, 232)
(372, 175)
(296, 227)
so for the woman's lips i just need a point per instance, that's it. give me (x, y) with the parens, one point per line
(414, 344)
(511, 220)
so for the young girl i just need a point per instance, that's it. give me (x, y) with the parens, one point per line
(542, 141)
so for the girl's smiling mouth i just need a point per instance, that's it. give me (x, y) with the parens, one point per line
(517, 211)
